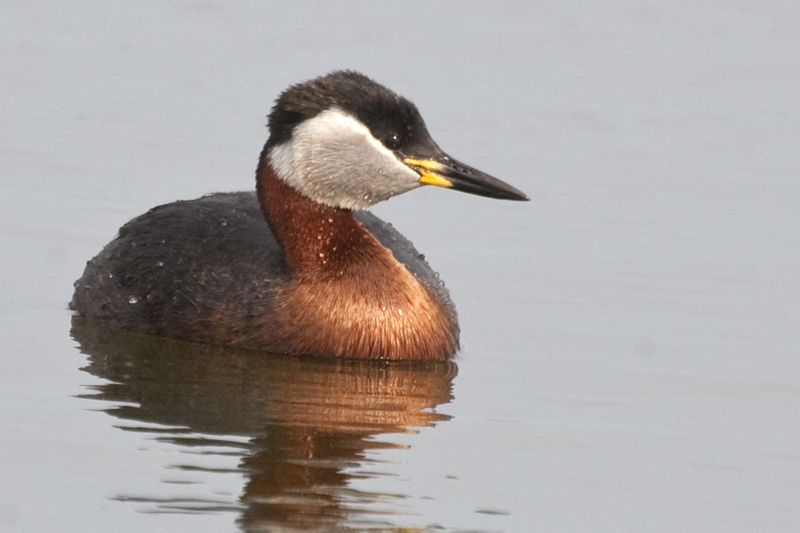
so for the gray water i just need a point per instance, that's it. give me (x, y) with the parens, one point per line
(631, 337)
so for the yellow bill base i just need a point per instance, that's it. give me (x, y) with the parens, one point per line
(429, 178)
(428, 175)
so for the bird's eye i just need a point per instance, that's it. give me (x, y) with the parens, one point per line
(393, 141)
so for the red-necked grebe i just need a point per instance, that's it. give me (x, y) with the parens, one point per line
(298, 266)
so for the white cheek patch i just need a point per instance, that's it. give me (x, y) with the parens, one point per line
(334, 159)
(282, 160)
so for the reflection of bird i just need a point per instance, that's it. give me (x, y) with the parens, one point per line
(317, 278)
(309, 424)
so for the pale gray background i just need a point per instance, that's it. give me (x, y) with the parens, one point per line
(631, 354)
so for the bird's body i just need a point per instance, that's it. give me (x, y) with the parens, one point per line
(297, 267)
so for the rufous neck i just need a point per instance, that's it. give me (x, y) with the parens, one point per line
(315, 237)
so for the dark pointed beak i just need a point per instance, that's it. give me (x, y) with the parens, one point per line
(444, 171)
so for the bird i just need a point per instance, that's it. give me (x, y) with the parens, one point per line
(298, 266)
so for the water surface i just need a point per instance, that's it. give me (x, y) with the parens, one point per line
(631, 335)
